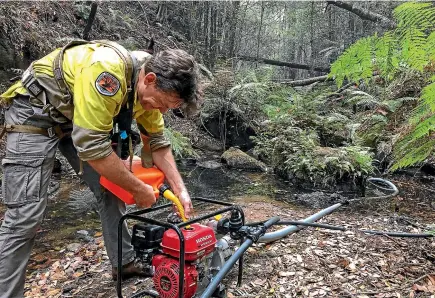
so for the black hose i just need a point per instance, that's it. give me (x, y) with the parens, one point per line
(398, 234)
(341, 228)
(393, 189)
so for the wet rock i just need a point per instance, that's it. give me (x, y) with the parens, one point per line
(83, 233)
(189, 161)
(210, 164)
(68, 288)
(73, 247)
(236, 158)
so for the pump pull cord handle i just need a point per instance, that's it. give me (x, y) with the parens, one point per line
(166, 192)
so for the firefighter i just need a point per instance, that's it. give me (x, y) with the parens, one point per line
(69, 100)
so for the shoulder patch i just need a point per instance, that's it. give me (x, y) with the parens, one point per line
(107, 84)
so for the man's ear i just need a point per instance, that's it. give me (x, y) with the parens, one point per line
(150, 78)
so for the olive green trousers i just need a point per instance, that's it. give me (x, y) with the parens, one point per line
(27, 168)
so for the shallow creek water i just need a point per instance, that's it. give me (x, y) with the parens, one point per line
(72, 207)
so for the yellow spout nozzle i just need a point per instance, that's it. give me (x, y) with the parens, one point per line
(168, 194)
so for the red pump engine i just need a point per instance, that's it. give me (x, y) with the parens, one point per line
(200, 242)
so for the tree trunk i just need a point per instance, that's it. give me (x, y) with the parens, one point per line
(306, 82)
(233, 28)
(365, 14)
(161, 13)
(91, 19)
(259, 30)
(282, 63)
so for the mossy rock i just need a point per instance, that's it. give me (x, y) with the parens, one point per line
(236, 158)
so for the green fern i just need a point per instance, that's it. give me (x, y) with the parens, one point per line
(355, 63)
(409, 47)
(180, 145)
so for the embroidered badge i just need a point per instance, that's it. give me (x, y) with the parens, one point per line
(107, 84)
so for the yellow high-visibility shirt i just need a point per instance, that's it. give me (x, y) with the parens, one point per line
(95, 75)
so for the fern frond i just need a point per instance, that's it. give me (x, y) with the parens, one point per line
(355, 63)
(387, 55)
(430, 47)
(392, 105)
(424, 128)
(336, 117)
(409, 153)
(377, 118)
(415, 14)
(426, 104)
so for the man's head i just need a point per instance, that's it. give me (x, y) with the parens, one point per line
(168, 81)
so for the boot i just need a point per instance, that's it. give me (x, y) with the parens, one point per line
(133, 269)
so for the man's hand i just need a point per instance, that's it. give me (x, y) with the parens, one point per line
(164, 160)
(184, 198)
(144, 196)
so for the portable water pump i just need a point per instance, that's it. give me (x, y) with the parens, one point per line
(159, 247)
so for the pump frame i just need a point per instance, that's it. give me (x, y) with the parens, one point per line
(138, 216)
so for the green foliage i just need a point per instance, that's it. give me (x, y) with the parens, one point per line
(180, 145)
(298, 153)
(356, 62)
(242, 92)
(409, 47)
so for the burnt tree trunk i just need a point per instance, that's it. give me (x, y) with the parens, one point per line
(91, 19)
(233, 28)
(282, 63)
(306, 82)
(365, 14)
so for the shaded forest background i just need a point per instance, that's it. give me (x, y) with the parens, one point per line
(217, 33)
(266, 68)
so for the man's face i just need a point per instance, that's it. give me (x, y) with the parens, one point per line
(151, 97)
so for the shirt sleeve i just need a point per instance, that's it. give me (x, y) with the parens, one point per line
(99, 90)
(151, 124)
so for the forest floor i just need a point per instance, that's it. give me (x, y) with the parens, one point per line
(310, 263)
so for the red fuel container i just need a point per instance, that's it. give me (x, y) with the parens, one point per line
(151, 176)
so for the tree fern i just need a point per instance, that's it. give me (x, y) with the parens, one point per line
(410, 46)
(355, 63)
(426, 105)
(387, 55)
(415, 14)
(409, 152)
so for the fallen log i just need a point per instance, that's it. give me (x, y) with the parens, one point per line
(306, 82)
(365, 14)
(283, 63)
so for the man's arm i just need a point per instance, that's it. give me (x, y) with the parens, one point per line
(165, 161)
(113, 169)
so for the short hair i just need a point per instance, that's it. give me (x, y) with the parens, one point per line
(176, 71)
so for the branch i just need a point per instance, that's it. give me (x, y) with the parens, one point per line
(144, 13)
(306, 82)
(282, 63)
(365, 14)
(91, 19)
